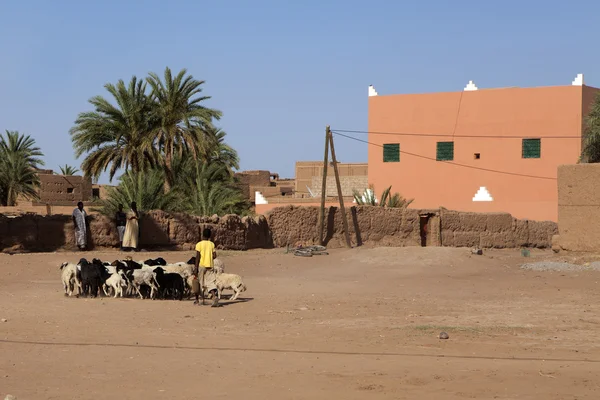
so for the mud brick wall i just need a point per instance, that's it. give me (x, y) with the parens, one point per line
(377, 226)
(31, 233)
(283, 226)
(380, 226)
(494, 230)
(579, 207)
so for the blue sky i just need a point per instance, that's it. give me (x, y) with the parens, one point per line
(280, 70)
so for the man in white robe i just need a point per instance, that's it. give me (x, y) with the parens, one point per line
(79, 217)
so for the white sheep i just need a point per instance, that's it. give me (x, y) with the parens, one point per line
(143, 277)
(69, 278)
(218, 268)
(117, 282)
(230, 281)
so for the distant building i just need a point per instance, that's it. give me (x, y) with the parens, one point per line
(265, 182)
(61, 190)
(309, 178)
(306, 187)
(482, 150)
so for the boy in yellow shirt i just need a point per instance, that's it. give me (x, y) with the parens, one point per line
(205, 255)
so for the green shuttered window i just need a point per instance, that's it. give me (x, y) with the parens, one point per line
(445, 151)
(532, 148)
(391, 152)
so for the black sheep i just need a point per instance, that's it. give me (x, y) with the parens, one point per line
(92, 277)
(157, 261)
(169, 283)
(133, 265)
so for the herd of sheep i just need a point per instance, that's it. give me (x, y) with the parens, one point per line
(153, 279)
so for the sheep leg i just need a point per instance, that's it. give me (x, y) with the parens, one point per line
(135, 286)
(236, 293)
(78, 285)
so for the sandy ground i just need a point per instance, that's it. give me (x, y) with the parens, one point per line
(357, 324)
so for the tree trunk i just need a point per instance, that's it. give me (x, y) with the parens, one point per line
(168, 171)
(9, 197)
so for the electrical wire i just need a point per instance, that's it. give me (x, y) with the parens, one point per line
(337, 132)
(456, 136)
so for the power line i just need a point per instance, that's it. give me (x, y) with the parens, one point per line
(459, 136)
(448, 162)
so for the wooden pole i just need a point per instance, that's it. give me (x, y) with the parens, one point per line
(339, 190)
(324, 186)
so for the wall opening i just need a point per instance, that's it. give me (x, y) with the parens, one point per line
(96, 193)
(477, 156)
(423, 228)
(69, 190)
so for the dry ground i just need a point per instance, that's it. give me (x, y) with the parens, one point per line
(357, 324)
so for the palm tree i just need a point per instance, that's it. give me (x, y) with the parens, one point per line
(209, 190)
(181, 119)
(118, 136)
(68, 170)
(145, 188)
(19, 159)
(220, 152)
(591, 148)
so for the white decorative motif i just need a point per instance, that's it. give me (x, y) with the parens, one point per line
(259, 198)
(470, 87)
(578, 81)
(372, 91)
(483, 195)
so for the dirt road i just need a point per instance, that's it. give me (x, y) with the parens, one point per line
(357, 324)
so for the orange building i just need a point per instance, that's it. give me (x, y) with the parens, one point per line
(481, 150)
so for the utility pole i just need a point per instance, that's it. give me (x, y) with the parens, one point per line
(324, 185)
(339, 190)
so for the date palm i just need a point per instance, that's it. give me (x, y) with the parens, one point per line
(217, 151)
(68, 170)
(209, 190)
(117, 136)
(145, 188)
(181, 118)
(19, 161)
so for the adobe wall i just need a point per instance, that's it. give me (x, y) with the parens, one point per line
(284, 226)
(579, 207)
(33, 233)
(380, 226)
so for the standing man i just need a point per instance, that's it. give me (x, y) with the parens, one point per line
(79, 220)
(132, 229)
(121, 221)
(205, 255)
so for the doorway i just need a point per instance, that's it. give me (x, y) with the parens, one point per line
(424, 220)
